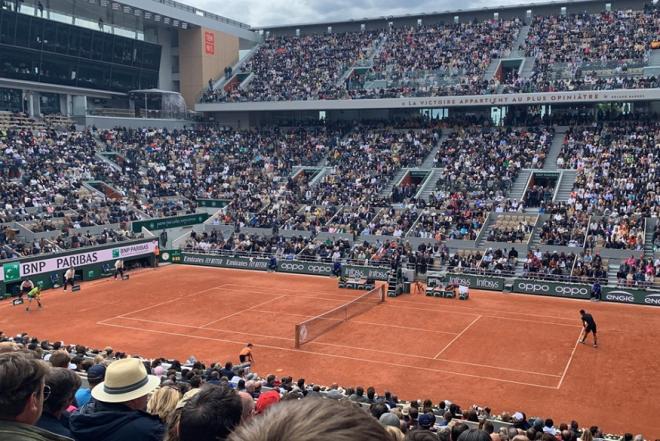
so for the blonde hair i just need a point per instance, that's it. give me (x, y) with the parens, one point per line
(163, 402)
(586, 435)
(395, 433)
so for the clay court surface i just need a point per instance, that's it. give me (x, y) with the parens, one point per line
(510, 352)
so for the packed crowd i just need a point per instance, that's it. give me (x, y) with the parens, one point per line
(127, 397)
(618, 37)
(586, 51)
(549, 265)
(485, 161)
(565, 226)
(617, 167)
(634, 272)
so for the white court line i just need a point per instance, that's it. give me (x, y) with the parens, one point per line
(361, 360)
(457, 337)
(396, 304)
(339, 346)
(387, 325)
(197, 327)
(169, 301)
(570, 360)
(538, 322)
(243, 310)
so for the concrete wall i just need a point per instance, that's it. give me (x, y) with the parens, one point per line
(109, 122)
(203, 55)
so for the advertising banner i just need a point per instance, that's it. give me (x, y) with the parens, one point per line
(631, 295)
(259, 264)
(169, 222)
(545, 288)
(213, 203)
(477, 281)
(299, 267)
(365, 272)
(15, 271)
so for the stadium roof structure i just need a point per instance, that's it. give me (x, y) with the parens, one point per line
(165, 13)
(574, 4)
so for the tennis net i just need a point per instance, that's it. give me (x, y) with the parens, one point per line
(316, 326)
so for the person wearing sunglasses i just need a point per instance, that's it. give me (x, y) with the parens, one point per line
(22, 395)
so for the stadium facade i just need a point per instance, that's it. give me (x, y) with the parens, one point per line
(101, 60)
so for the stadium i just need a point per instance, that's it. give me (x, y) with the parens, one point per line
(389, 228)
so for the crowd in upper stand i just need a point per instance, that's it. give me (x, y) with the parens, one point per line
(586, 51)
(616, 37)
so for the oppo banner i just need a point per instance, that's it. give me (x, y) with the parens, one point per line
(477, 281)
(14, 271)
(259, 264)
(631, 295)
(544, 288)
(295, 266)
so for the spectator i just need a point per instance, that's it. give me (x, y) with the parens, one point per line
(63, 384)
(22, 395)
(211, 415)
(318, 420)
(117, 411)
(95, 376)
(163, 402)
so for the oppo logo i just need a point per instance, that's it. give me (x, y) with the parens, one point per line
(620, 296)
(652, 299)
(292, 266)
(534, 287)
(571, 290)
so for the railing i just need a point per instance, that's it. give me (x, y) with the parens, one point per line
(205, 14)
(257, 255)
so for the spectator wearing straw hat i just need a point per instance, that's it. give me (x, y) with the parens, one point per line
(117, 412)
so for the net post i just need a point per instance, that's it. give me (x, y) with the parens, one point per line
(297, 336)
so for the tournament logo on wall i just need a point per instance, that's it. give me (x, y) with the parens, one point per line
(209, 43)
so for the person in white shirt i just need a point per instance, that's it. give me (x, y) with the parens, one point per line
(119, 268)
(69, 277)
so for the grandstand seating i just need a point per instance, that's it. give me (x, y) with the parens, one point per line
(585, 51)
(182, 376)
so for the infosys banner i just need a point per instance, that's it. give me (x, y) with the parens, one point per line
(476, 281)
(365, 272)
(544, 288)
(169, 222)
(298, 267)
(259, 264)
(628, 295)
(14, 271)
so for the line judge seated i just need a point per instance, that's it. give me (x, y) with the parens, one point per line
(463, 292)
(118, 409)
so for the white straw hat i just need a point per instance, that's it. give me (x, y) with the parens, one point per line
(125, 380)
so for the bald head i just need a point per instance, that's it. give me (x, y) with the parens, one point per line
(248, 406)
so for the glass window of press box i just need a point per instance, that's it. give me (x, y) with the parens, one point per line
(37, 49)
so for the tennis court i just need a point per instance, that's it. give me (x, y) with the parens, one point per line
(510, 352)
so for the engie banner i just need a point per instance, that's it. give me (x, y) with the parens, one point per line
(14, 271)
(545, 288)
(477, 281)
(631, 295)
